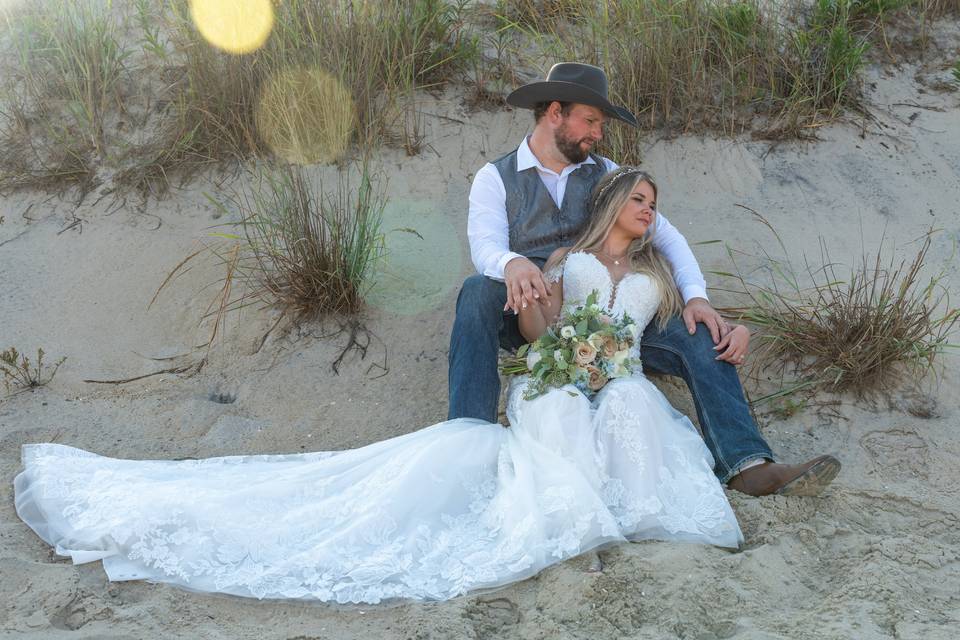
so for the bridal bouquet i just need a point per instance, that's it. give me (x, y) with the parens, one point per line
(585, 348)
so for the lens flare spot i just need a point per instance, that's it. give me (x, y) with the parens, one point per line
(306, 116)
(423, 262)
(236, 26)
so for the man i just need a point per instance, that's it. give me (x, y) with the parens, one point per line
(536, 199)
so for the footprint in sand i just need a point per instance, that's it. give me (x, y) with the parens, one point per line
(897, 451)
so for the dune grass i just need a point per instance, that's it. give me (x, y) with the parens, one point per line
(716, 65)
(132, 92)
(71, 62)
(299, 246)
(775, 70)
(208, 105)
(311, 250)
(860, 332)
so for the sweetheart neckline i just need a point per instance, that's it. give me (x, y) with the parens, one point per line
(614, 284)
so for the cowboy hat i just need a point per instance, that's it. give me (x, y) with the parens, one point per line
(571, 82)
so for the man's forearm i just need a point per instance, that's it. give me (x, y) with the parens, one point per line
(686, 271)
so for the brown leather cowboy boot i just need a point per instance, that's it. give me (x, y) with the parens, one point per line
(807, 479)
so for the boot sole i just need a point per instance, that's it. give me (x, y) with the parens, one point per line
(814, 480)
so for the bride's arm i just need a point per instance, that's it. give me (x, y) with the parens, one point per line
(534, 319)
(734, 346)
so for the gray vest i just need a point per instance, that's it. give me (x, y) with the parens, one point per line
(537, 226)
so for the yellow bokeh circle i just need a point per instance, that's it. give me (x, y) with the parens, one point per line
(306, 116)
(236, 26)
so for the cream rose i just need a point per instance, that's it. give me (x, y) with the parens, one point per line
(568, 332)
(609, 346)
(597, 379)
(584, 354)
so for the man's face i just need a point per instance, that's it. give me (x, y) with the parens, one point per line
(579, 131)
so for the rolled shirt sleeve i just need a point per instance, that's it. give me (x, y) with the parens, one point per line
(686, 271)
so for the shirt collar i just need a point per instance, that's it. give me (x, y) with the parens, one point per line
(526, 159)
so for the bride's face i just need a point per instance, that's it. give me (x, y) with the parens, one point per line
(639, 212)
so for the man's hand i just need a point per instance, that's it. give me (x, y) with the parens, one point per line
(699, 310)
(525, 285)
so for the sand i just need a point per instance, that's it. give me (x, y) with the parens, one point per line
(875, 557)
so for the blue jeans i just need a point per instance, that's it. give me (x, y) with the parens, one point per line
(481, 327)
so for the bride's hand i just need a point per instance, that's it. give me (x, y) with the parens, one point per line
(733, 346)
(525, 285)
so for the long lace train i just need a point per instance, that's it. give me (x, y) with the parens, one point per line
(458, 506)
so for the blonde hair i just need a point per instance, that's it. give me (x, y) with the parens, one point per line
(609, 197)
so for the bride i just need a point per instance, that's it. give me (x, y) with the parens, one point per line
(457, 506)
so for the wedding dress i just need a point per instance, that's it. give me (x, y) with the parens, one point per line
(457, 506)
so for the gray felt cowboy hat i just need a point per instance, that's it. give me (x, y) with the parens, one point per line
(571, 82)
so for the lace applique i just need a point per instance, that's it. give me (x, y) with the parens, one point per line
(692, 512)
(625, 427)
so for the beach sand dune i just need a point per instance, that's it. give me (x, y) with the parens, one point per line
(875, 557)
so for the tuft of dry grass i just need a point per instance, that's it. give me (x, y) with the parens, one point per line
(20, 372)
(311, 251)
(861, 333)
(300, 247)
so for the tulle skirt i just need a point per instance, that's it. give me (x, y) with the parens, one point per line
(458, 506)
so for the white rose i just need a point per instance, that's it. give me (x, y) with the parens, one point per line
(568, 332)
(620, 357)
(532, 359)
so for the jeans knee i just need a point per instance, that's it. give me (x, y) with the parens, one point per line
(481, 299)
(698, 347)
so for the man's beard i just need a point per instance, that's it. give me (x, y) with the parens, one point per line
(571, 149)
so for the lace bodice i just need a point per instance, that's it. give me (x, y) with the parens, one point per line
(637, 294)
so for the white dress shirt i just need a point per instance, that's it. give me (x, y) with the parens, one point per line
(489, 231)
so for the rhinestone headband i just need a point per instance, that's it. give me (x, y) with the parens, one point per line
(622, 171)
